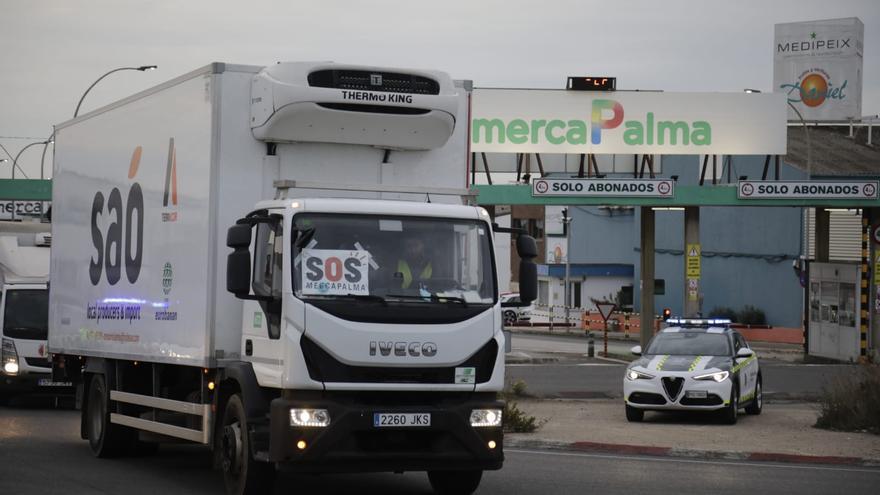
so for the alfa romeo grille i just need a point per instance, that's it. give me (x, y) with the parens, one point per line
(672, 386)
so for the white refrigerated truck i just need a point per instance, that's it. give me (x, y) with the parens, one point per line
(24, 308)
(278, 263)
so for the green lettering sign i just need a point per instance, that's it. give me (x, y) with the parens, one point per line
(490, 128)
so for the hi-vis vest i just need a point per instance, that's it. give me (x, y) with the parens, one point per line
(403, 268)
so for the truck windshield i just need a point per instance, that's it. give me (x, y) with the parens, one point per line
(412, 259)
(27, 314)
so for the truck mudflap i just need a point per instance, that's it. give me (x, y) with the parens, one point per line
(354, 442)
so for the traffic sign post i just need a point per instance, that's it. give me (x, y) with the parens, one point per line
(693, 273)
(605, 309)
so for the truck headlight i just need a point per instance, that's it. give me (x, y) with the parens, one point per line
(718, 376)
(9, 357)
(310, 418)
(637, 375)
(481, 418)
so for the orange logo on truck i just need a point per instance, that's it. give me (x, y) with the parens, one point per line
(170, 183)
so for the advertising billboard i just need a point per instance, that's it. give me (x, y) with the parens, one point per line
(627, 122)
(818, 66)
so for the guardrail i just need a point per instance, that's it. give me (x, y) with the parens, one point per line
(630, 324)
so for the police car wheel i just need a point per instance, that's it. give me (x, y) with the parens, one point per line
(729, 413)
(758, 401)
(634, 415)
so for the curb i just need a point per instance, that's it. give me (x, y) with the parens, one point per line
(522, 358)
(612, 359)
(648, 450)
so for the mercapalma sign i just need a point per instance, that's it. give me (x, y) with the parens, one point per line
(548, 121)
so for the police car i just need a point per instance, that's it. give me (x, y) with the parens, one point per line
(694, 364)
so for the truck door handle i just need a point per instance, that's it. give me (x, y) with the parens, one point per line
(248, 347)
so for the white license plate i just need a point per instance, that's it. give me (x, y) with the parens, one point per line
(381, 420)
(47, 382)
(697, 394)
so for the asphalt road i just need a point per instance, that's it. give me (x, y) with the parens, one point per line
(575, 376)
(41, 453)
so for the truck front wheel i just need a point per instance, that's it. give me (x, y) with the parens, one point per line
(243, 474)
(454, 482)
(105, 438)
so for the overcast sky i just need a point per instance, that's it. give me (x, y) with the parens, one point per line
(52, 50)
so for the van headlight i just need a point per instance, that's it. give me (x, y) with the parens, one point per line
(718, 376)
(9, 357)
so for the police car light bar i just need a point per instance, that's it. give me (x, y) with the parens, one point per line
(698, 321)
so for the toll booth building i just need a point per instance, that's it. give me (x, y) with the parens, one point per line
(763, 265)
(747, 252)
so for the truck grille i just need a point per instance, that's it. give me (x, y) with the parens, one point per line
(672, 386)
(390, 82)
(325, 368)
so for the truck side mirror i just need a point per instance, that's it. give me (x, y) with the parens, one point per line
(238, 263)
(527, 249)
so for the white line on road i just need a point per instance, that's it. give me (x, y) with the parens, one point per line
(557, 365)
(802, 365)
(698, 461)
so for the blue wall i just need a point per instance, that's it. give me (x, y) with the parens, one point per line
(613, 246)
(747, 251)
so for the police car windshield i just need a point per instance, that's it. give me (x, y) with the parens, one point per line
(412, 260)
(690, 343)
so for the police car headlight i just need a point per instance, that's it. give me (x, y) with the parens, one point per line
(637, 375)
(718, 376)
(485, 418)
(309, 418)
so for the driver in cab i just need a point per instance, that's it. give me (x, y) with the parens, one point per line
(414, 265)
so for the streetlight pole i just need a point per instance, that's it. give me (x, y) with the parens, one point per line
(51, 139)
(15, 160)
(141, 68)
(809, 145)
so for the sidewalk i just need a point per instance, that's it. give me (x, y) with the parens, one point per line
(782, 433)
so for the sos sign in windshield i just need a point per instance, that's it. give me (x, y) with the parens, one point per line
(335, 272)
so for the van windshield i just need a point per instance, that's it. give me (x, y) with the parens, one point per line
(26, 314)
(384, 258)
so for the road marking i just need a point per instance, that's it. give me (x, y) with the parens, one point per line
(698, 461)
(558, 365)
(797, 365)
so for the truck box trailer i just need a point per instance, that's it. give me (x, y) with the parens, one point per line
(280, 263)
